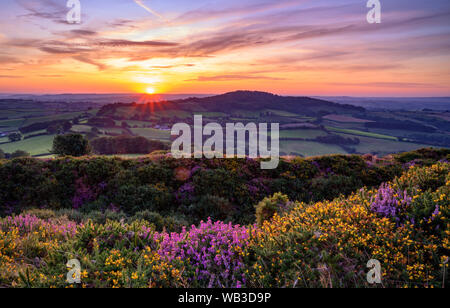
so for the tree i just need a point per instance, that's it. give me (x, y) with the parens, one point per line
(13, 137)
(71, 145)
(2, 154)
(19, 153)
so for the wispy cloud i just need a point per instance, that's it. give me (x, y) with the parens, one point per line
(148, 9)
(233, 77)
(10, 76)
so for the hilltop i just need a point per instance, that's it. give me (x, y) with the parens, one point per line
(239, 101)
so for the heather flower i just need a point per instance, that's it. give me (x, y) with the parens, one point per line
(389, 202)
(185, 192)
(214, 251)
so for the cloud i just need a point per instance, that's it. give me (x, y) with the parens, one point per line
(10, 76)
(171, 66)
(86, 60)
(390, 85)
(232, 77)
(54, 11)
(201, 15)
(145, 7)
(51, 76)
(127, 43)
(82, 32)
(8, 60)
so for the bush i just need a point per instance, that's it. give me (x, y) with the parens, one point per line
(71, 145)
(14, 137)
(325, 244)
(19, 154)
(126, 145)
(169, 224)
(266, 209)
(133, 198)
(213, 207)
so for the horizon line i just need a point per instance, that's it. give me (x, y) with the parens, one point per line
(221, 93)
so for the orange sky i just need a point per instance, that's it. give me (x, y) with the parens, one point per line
(286, 47)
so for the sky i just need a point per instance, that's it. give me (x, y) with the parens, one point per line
(288, 47)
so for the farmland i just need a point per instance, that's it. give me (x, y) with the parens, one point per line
(305, 123)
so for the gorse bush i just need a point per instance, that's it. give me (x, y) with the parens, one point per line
(328, 244)
(267, 208)
(404, 224)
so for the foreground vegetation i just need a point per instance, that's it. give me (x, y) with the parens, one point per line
(394, 210)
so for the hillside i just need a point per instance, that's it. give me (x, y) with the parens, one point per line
(239, 101)
(309, 126)
(160, 222)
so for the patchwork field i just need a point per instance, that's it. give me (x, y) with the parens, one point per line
(34, 146)
(364, 131)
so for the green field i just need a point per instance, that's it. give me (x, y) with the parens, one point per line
(302, 133)
(34, 146)
(282, 113)
(360, 133)
(152, 133)
(81, 128)
(212, 114)
(383, 147)
(308, 148)
(63, 116)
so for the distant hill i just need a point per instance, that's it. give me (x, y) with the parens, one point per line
(394, 103)
(251, 101)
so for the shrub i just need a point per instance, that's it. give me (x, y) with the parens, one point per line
(266, 209)
(71, 145)
(14, 137)
(169, 224)
(213, 207)
(323, 244)
(126, 145)
(19, 154)
(133, 199)
(328, 244)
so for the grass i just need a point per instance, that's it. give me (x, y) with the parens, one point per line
(345, 119)
(383, 147)
(360, 133)
(63, 116)
(309, 148)
(81, 128)
(34, 146)
(302, 133)
(282, 113)
(8, 125)
(152, 133)
(112, 130)
(212, 114)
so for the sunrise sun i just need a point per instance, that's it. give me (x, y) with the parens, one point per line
(150, 90)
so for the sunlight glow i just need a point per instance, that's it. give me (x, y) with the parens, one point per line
(150, 90)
